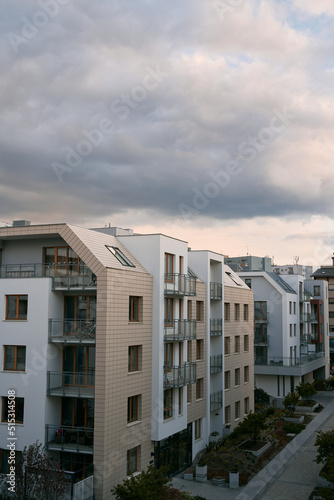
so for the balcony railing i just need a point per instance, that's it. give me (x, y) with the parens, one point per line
(178, 376)
(306, 338)
(305, 317)
(72, 331)
(216, 291)
(180, 284)
(277, 361)
(304, 297)
(216, 363)
(216, 327)
(65, 274)
(180, 329)
(261, 340)
(314, 318)
(216, 400)
(71, 384)
(69, 439)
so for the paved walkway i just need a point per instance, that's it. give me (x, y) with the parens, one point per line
(290, 475)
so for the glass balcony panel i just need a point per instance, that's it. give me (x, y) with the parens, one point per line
(216, 363)
(69, 439)
(216, 400)
(279, 361)
(75, 384)
(261, 339)
(180, 329)
(216, 327)
(178, 376)
(180, 284)
(72, 331)
(216, 291)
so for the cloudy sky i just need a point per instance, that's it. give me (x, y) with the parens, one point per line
(209, 120)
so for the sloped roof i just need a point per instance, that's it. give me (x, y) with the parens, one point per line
(283, 284)
(324, 272)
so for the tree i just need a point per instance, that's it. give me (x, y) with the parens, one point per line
(290, 401)
(151, 484)
(325, 453)
(251, 426)
(38, 476)
(306, 391)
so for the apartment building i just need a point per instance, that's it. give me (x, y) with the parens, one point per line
(114, 345)
(291, 331)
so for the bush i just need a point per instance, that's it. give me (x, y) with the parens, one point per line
(305, 391)
(292, 428)
(261, 397)
(151, 484)
(290, 401)
(320, 385)
(325, 453)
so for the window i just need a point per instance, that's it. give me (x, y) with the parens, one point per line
(227, 414)
(199, 388)
(169, 267)
(294, 308)
(168, 403)
(290, 307)
(134, 309)
(6, 409)
(294, 330)
(61, 261)
(169, 312)
(316, 290)
(168, 356)
(246, 314)
(260, 311)
(134, 358)
(199, 311)
(248, 282)
(132, 460)
(237, 344)
(180, 400)
(16, 306)
(198, 428)
(14, 358)
(237, 376)
(189, 312)
(133, 408)
(237, 312)
(227, 346)
(227, 311)
(246, 405)
(199, 349)
(246, 374)
(188, 394)
(246, 343)
(227, 380)
(237, 410)
(120, 256)
(189, 356)
(331, 314)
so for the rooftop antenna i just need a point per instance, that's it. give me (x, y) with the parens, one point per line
(296, 259)
(247, 249)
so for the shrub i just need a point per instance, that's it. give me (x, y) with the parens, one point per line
(151, 484)
(320, 385)
(292, 428)
(261, 397)
(325, 453)
(305, 391)
(290, 401)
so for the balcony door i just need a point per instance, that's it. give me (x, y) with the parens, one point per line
(79, 313)
(79, 366)
(78, 412)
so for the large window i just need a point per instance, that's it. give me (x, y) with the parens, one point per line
(226, 311)
(133, 408)
(78, 365)
(316, 290)
(236, 312)
(199, 349)
(168, 403)
(227, 345)
(237, 344)
(7, 409)
(80, 307)
(260, 311)
(14, 358)
(169, 267)
(246, 313)
(61, 260)
(16, 307)
(246, 374)
(199, 388)
(168, 356)
(77, 412)
(134, 309)
(246, 343)
(199, 310)
(227, 380)
(237, 376)
(133, 460)
(169, 312)
(134, 358)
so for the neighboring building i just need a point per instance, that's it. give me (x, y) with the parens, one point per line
(290, 342)
(114, 345)
(327, 273)
(249, 263)
(304, 271)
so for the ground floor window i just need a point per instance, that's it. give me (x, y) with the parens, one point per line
(175, 452)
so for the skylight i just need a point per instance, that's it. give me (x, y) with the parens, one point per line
(120, 256)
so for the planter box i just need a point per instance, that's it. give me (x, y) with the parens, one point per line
(227, 431)
(201, 473)
(189, 476)
(306, 409)
(256, 452)
(214, 439)
(294, 420)
(234, 479)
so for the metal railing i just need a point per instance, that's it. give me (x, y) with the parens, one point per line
(72, 330)
(279, 361)
(216, 327)
(216, 363)
(216, 400)
(75, 384)
(305, 317)
(180, 329)
(216, 291)
(64, 274)
(66, 438)
(179, 284)
(261, 339)
(178, 376)
(304, 297)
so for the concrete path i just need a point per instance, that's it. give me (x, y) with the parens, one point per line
(291, 475)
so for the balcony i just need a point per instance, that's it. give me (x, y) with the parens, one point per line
(69, 439)
(216, 291)
(70, 331)
(305, 317)
(278, 361)
(71, 384)
(65, 275)
(304, 297)
(306, 338)
(216, 327)
(216, 400)
(216, 363)
(180, 284)
(315, 318)
(261, 340)
(179, 376)
(180, 329)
